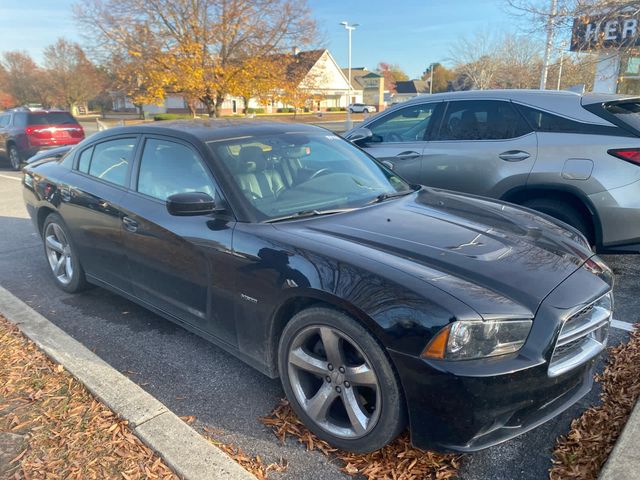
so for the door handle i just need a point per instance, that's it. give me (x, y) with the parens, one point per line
(407, 155)
(130, 224)
(514, 155)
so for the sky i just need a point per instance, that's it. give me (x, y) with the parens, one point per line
(411, 33)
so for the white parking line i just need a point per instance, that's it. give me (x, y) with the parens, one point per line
(11, 178)
(622, 325)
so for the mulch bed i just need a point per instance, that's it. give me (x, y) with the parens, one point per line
(397, 461)
(584, 450)
(69, 434)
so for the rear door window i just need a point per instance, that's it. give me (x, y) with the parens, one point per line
(111, 159)
(481, 120)
(4, 120)
(542, 121)
(51, 118)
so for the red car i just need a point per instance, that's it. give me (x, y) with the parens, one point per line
(24, 133)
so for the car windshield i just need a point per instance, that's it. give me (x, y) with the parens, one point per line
(292, 173)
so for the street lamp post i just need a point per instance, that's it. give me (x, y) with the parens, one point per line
(349, 29)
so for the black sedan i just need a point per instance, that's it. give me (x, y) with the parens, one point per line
(376, 302)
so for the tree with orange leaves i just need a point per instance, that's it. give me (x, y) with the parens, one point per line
(195, 46)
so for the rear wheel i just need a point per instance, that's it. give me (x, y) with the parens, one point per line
(339, 381)
(564, 211)
(61, 255)
(14, 157)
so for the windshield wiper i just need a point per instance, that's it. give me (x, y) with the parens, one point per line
(308, 213)
(386, 196)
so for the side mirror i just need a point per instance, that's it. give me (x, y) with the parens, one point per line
(360, 135)
(190, 203)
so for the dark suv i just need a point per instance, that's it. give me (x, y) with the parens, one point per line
(23, 133)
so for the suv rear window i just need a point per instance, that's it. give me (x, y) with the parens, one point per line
(628, 112)
(50, 118)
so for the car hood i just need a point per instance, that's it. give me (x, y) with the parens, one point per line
(497, 258)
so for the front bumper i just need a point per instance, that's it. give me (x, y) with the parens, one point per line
(464, 414)
(464, 406)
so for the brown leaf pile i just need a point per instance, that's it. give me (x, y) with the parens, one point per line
(255, 465)
(582, 453)
(69, 434)
(397, 461)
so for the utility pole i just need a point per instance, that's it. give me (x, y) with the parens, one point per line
(562, 47)
(551, 21)
(431, 79)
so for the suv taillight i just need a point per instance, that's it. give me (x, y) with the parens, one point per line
(629, 154)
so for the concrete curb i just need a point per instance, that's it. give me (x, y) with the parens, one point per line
(180, 446)
(624, 459)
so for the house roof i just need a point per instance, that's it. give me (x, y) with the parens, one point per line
(411, 86)
(299, 65)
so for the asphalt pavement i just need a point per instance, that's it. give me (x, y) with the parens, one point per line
(192, 377)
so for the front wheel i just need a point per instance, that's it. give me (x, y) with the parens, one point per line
(14, 157)
(62, 256)
(366, 110)
(339, 381)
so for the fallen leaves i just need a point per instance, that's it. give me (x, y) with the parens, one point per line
(397, 461)
(584, 450)
(255, 465)
(69, 433)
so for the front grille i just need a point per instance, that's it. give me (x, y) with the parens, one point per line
(583, 336)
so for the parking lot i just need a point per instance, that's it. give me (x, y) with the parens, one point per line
(193, 377)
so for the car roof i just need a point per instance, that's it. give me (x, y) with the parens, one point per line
(561, 102)
(207, 130)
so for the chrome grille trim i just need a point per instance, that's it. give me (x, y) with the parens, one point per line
(583, 336)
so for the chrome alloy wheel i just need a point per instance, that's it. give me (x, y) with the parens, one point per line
(14, 158)
(58, 253)
(334, 382)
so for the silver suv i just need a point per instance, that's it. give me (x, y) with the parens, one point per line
(574, 157)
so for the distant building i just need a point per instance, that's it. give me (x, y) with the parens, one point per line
(370, 84)
(316, 71)
(408, 89)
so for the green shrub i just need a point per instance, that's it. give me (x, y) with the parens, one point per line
(286, 110)
(255, 110)
(336, 109)
(172, 116)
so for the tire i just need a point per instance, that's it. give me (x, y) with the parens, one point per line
(362, 406)
(15, 159)
(366, 110)
(62, 256)
(564, 211)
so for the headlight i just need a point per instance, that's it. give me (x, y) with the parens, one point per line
(470, 339)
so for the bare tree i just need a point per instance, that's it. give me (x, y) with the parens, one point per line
(519, 62)
(475, 57)
(71, 77)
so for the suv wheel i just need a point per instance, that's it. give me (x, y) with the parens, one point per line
(14, 157)
(62, 256)
(366, 110)
(564, 211)
(339, 381)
